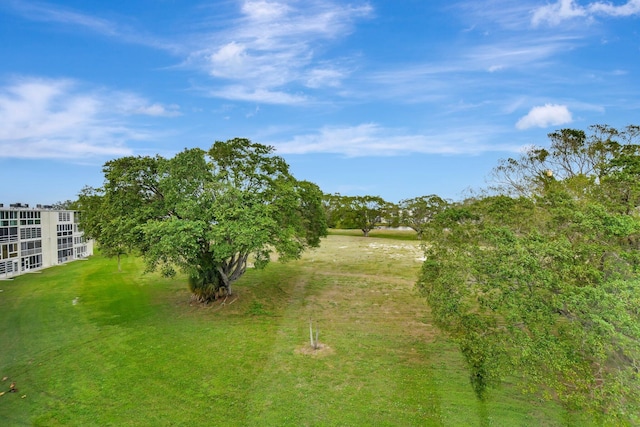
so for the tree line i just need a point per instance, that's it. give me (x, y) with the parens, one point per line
(369, 212)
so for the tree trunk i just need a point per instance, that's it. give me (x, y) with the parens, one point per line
(226, 283)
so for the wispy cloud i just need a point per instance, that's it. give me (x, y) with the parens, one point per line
(471, 71)
(273, 47)
(44, 12)
(562, 10)
(52, 13)
(260, 95)
(488, 16)
(56, 118)
(371, 139)
(132, 104)
(517, 52)
(545, 116)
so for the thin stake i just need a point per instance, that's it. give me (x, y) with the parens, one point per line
(311, 334)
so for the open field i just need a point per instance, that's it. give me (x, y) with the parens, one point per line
(90, 346)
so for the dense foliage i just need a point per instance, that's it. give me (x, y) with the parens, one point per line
(207, 213)
(541, 283)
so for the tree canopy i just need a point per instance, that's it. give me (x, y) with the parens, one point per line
(418, 212)
(363, 212)
(209, 214)
(545, 286)
(572, 153)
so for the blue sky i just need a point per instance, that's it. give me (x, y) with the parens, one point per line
(390, 98)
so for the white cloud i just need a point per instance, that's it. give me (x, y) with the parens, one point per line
(229, 60)
(632, 7)
(547, 115)
(562, 10)
(557, 12)
(56, 118)
(371, 139)
(264, 10)
(275, 45)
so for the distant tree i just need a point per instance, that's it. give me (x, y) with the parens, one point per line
(362, 212)
(65, 205)
(392, 215)
(333, 205)
(209, 213)
(419, 211)
(311, 213)
(572, 153)
(101, 220)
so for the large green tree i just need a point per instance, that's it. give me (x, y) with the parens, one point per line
(209, 214)
(545, 287)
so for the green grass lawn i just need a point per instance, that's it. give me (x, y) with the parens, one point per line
(90, 346)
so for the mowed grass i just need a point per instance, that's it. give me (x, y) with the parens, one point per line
(90, 346)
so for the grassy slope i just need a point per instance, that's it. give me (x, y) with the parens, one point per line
(133, 351)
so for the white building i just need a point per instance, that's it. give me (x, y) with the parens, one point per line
(36, 238)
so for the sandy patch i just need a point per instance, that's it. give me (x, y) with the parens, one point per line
(322, 350)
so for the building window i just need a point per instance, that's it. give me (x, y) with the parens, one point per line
(30, 248)
(65, 242)
(31, 262)
(80, 251)
(8, 215)
(8, 250)
(65, 229)
(8, 218)
(29, 217)
(30, 233)
(65, 255)
(6, 267)
(8, 234)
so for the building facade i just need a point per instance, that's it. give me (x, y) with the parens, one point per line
(36, 238)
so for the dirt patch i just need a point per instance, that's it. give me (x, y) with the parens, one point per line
(321, 350)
